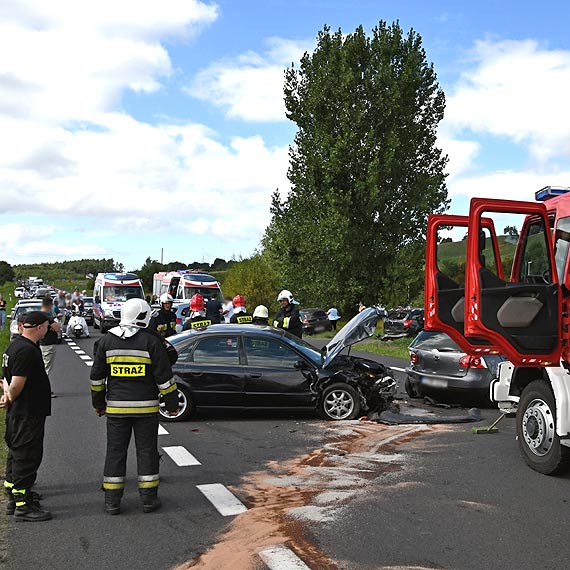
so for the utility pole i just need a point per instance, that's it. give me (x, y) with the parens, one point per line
(161, 255)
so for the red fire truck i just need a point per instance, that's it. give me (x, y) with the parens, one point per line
(514, 300)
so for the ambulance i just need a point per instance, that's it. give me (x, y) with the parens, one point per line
(111, 290)
(184, 284)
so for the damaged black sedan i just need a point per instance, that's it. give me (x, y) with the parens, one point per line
(244, 367)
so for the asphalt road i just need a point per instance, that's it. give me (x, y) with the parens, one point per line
(341, 495)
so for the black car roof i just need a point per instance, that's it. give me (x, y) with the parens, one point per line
(234, 329)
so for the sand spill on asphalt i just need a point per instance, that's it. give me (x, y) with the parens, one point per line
(314, 487)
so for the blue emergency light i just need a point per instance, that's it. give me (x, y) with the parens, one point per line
(550, 192)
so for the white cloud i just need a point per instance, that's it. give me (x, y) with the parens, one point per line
(515, 89)
(250, 85)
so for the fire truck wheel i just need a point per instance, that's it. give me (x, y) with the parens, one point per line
(536, 430)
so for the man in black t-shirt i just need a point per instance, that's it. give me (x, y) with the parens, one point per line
(27, 398)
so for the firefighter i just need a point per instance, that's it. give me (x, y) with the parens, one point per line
(164, 321)
(261, 316)
(240, 316)
(288, 315)
(130, 372)
(197, 318)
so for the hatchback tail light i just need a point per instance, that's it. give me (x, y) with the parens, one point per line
(178, 320)
(407, 323)
(305, 321)
(414, 357)
(470, 361)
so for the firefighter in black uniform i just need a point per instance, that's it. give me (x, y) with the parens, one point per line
(197, 318)
(288, 317)
(240, 316)
(164, 321)
(130, 370)
(27, 396)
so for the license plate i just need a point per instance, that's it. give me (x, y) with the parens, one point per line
(434, 382)
(319, 329)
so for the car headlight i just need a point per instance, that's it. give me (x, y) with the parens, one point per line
(108, 313)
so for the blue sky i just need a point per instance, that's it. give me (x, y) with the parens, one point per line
(130, 125)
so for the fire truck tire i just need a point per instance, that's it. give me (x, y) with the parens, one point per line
(536, 430)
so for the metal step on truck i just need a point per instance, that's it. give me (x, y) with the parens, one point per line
(510, 295)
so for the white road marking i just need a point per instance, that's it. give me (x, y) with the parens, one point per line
(181, 456)
(396, 368)
(161, 430)
(79, 351)
(280, 557)
(226, 503)
(90, 363)
(84, 357)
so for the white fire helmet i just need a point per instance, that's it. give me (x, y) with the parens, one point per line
(261, 312)
(287, 295)
(135, 313)
(166, 298)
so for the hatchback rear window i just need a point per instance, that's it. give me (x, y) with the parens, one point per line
(397, 315)
(431, 340)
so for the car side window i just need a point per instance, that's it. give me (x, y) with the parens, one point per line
(269, 353)
(217, 350)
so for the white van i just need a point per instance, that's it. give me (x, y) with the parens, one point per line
(183, 285)
(111, 290)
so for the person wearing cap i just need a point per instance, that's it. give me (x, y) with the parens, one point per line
(288, 317)
(131, 373)
(27, 398)
(260, 316)
(240, 316)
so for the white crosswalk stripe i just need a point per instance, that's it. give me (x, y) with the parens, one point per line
(181, 456)
(226, 503)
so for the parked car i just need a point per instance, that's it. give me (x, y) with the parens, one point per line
(250, 367)
(42, 292)
(440, 369)
(88, 310)
(315, 321)
(19, 292)
(21, 308)
(404, 322)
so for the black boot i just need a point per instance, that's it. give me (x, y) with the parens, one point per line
(150, 500)
(11, 504)
(113, 501)
(28, 509)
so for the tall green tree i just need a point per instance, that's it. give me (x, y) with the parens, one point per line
(364, 169)
(6, 272)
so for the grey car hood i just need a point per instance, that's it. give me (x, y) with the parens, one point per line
(360, 327)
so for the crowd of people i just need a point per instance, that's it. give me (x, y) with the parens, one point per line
(135, 349)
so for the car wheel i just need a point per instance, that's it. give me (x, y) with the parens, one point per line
(339, 402)
(536, 430)
(411, 390)
(186, 406)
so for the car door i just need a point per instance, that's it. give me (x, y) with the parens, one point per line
(213, 369)
(272, 379)
(445, 277)
(522, 317)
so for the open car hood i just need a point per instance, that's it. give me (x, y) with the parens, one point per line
(360, 327)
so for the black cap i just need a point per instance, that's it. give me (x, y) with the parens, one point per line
(34, 319)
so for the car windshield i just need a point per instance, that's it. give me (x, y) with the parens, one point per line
(27, 308)
(122, 293)
(206, 292)
(433, 340)
(307, 349)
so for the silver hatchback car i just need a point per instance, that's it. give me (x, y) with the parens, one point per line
(440, 369)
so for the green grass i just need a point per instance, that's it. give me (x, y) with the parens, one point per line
(396, 348)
